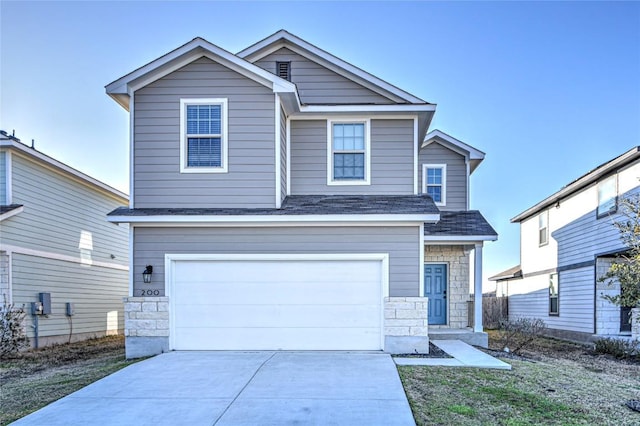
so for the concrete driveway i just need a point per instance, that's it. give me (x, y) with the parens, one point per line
(240, 388)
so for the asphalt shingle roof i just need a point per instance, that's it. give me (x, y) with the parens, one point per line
(8, 208)
(308, 205)
(465, 223)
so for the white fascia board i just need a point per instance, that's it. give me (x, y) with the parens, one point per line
(53, 163)
(187, 53)
(283, 220)
(467, 150)
(458, 238)
(13, 212)
(413, 108)
(252, 53)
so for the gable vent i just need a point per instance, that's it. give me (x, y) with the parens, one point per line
(283, 70)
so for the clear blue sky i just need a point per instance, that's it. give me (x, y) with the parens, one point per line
(548, 90)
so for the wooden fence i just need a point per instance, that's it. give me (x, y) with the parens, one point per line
(494, 310)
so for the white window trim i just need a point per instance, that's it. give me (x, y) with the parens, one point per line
(183, 135)
(540, 243)
(444, 181)
(615, 197)
(367, 152)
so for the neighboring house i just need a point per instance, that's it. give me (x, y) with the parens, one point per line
(284, 199)
(567, 242)
(55, 240)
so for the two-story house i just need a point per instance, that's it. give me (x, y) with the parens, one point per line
(282, 198)
(567, 243)
(57, 249)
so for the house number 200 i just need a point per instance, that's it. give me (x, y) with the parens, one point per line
(150, 293)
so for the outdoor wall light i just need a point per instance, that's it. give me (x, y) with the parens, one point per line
(146, 275)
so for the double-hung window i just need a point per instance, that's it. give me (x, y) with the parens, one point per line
(553, 295)
(543, 228)
(203, 136)
(607, 196)
(349, 156)
(434, 182)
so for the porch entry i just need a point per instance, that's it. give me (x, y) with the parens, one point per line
(435, 288)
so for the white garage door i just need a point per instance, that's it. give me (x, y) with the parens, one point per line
(285, 304)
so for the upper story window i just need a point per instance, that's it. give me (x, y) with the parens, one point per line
(553, 295)
(203, 136)
(349, 153)
(434, 182)
(607, 196)
(283, 70)
(543, 228)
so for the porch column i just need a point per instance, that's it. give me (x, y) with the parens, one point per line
(477, 289)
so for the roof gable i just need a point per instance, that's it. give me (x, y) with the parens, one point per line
(283, 38)
(122, 88)
(472, 155)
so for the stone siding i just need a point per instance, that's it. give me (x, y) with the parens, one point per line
(406, 327)
(457, 260)
(146, 316)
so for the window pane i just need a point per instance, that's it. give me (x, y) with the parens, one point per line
(204, 152)
(348, 137)
(553, 305)
(348, 166)
(435, 192)
(607, 195)
(204, 119)
(434, 176)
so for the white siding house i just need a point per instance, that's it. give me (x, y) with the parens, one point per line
(55, 239)
(567, 242)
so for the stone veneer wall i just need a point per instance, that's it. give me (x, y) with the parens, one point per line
(146, 326)
(4, 277)
(457, 260)
(406, 327)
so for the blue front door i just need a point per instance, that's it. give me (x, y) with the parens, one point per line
(435, 288)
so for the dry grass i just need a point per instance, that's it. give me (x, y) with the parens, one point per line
(36, 378)
(553, 383)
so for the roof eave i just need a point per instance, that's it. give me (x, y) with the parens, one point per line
(580, 183)
(276, 219)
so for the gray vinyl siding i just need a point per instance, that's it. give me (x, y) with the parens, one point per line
(3, 178)
(96, 292)
(57, 209)
(283, 154)
(391, 159)
(575, 297)
(250, 181)
(456, 195)
(586, 237)
(402, 244)
(319, 85)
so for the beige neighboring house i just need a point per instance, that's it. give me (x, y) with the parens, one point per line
(55, 241)
(567, 242)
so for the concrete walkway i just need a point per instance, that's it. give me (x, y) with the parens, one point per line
(464, 355)
(240, 388)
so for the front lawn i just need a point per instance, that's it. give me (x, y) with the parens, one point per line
(555, 383)
(36, 378)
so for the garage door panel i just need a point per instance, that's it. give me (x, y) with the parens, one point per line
(269, 292)
(276, 304)
(246, 271)
(277, 339)
(281, 316)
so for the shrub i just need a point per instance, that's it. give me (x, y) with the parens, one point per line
(619, 348)
(515, 335)
(12, 334)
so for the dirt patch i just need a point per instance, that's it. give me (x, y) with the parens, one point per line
(434, 352)
(35, 378)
